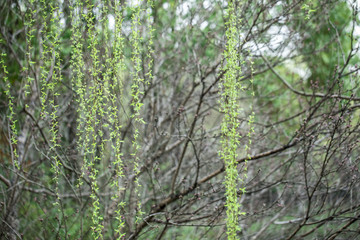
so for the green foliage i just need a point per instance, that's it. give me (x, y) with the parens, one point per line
(230, 124)
(324, 45)
(308, 9)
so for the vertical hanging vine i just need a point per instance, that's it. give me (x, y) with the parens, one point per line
(99, 100)
(77, 64)
(89, 97)
(11, 115)
(30, 19)
(229, 128)
(93, 102)
(115, 86)
(136, 94)
(50, 79)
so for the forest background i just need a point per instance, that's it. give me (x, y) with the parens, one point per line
(179, 119)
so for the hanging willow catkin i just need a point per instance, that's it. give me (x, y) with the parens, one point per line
(230, 125)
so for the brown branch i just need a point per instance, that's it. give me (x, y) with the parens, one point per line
(5, 180)
(334, 235)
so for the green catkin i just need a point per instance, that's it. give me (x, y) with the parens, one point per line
(77, 64)
(115, 135)
(136, 95)
(79, 86)
(90, 95)
(50, 81)
(30, 34)
(229, 128)
(118, 60)
(11, 115)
